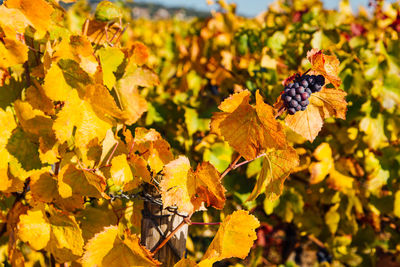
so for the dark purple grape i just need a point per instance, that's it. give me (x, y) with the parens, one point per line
(305, 77)
(287, 98)
(290, 85)
(305, 103)
(297, 98)
(317, 87)
(320, 80)
(300, 90)
(291, 111)
(296, 85)
(308, 91)
(303, 108)
(305, 96)
(298, 108)
(294, 103)
(292, 92)
(304, 83)
(311, 80)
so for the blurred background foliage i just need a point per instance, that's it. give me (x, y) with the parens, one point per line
(347, 212)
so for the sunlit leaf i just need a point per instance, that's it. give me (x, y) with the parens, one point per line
(110, 59)
(247, 129)
(276, 167)
(237, 228)
(107, 246)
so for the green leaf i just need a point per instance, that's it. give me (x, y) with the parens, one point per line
(110, 59)
(107, 11)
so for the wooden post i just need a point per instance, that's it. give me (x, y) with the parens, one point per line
(157, 223)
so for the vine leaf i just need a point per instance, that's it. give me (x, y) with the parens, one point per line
(38, 12)
(110, 59)
(55, 86)
(234, 238)
(249, 130)
(90, 126)
(326, 65)
(59, 233)
(326, 166)
(324, 104)
(189, 190)
(276, 167)
(152, 147)
(72, 181)
(329, 102)
(106, 246)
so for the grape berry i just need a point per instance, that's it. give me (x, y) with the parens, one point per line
(296, 94)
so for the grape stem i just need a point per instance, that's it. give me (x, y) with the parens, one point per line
(230, 167)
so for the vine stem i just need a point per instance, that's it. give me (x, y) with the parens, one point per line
(185, 221)
(247, 161)
(230, 167)
(203, 223)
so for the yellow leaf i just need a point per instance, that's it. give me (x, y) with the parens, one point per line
(340, 181)
(234, 238)
(396, 209)
(93, 219)
(120, 170)
(44, 187)
(55, 86)
(186, 263)
(324, 104)
(153, 148)
(174, 188)
(13, 21)
(110, 59)
(34, 228)
(37, 11)
(102, 101)
(12, 52)
(105, 247)
(277, 166)
(36, 96)
(66, 243)
(90, 126)
(319, 170)
(74, 181)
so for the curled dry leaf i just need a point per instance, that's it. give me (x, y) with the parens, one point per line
(249, 130)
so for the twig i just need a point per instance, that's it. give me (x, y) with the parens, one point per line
(203, 223)
(185, 221)
(280, 111)
(231, 166)
(112, 154)
(316, 241)
(247, 161)
(122, 32)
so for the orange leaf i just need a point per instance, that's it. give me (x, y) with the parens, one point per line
(324, 104)
(276, 167)
(12, 52)
(37, 11)
(153, 148)
(234, 238)
(326, 65)
(247, 129)
(205, 186)
(186, 189)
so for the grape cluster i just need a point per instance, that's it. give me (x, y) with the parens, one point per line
(296, 94)
(324, 256)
